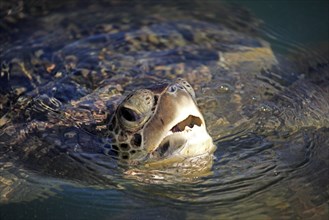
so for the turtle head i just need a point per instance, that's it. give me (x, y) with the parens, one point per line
(160, 125)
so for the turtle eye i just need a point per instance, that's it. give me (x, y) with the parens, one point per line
(129, 114)
(136, 109)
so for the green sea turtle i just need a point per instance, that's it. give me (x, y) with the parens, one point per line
(97, 92)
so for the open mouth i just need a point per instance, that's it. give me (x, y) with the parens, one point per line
(177, 137)
(190, 121)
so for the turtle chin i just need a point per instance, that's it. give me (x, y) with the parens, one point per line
(187, 150)
(181, 156)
